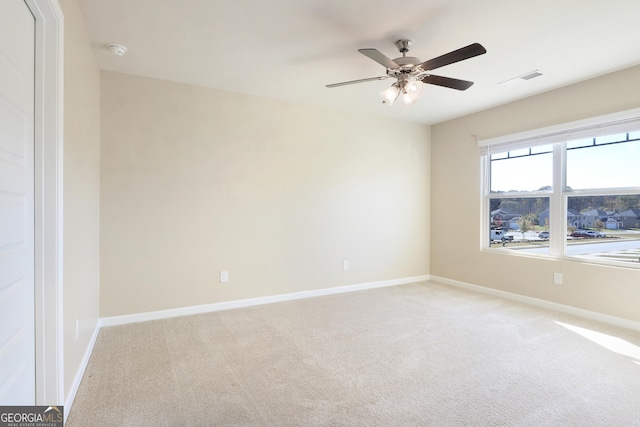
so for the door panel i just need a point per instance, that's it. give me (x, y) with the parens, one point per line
(17, 333)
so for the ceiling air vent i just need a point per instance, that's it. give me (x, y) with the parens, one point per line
(531, 75)
(528, 76)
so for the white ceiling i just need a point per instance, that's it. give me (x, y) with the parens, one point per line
(290, 49)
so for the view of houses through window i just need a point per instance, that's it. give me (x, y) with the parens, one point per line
(600, 199)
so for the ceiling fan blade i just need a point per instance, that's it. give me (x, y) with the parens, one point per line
(447, 82)
(370, 79)
(379, 57)
(461, 54)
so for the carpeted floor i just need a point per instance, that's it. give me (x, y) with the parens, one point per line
(414, 355)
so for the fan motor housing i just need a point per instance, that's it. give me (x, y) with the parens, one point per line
(407, 61)
(407, 66)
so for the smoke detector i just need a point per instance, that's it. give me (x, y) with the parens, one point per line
(117, 49)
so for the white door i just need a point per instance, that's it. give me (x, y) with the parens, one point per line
(17, 329)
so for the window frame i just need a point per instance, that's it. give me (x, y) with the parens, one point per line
(622, 122)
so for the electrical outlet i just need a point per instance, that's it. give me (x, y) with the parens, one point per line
(224, 276)
(557, 278)
(345, 264)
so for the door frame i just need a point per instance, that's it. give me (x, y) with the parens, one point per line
(49, 98)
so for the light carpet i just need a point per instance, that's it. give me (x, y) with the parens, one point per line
(423, 354)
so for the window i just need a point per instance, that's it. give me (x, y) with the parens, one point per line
(524, 222)
(604, 162)
(526, 169)
(571, 190)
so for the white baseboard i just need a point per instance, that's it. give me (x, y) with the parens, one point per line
(83, 367)
(579, 312)
(250, 302)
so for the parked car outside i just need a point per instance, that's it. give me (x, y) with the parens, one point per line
(499, 236)
(587, 233)
(543, 235)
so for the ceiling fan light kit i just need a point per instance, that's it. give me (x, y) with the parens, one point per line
(390, 94)
(409, 89)
(410, 73)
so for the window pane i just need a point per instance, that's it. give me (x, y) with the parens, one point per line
(520, 152)
(611, 138)
(580, 143)
(605, 227)
(542, 149)
(606, 166)
(520, 224)
(527, 173)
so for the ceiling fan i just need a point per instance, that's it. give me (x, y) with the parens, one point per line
(410, 72)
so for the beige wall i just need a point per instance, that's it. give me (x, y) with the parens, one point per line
(196, 180)
(455, 201)
(81, 286)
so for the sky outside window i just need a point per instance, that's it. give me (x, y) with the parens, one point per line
(594, 166)
(527, 173)
(604, 166)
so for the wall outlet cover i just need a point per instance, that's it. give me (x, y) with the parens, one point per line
(557, 278)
